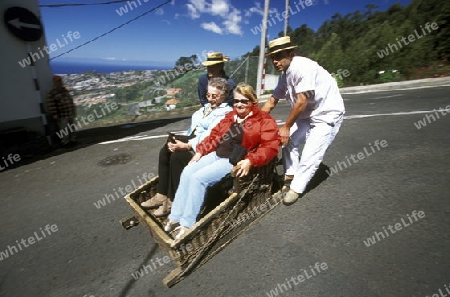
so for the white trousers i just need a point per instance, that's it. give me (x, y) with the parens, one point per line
(316, 137)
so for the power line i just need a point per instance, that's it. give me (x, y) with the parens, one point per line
(80, 4)
(113, 29)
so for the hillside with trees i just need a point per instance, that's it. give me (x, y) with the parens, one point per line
(356, 40)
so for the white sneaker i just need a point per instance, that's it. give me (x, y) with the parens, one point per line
(170, 226)
(290, 198)
(181, 231)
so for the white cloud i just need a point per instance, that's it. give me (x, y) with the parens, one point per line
(229, 16)
(257, 9)
(193, 12)
(196, 8)
(211, 27)
(232, 23)
(220, 7)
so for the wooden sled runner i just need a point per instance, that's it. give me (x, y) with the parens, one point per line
(231, 207)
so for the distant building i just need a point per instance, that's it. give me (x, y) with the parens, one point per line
(171, 92)
(172, 103)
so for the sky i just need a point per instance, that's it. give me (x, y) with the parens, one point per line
(177, 28)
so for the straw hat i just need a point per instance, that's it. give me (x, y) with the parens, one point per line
(215, 58)
(279, 44)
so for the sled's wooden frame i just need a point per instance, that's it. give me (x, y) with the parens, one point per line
(252, 198)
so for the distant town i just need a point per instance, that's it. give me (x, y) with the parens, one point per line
(91, 88)
(138, 90)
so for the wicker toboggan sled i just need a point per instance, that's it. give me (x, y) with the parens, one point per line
(231, 207)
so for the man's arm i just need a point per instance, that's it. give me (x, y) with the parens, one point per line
(230, 98)
(269, 105)
(297, 109)
(202, 88)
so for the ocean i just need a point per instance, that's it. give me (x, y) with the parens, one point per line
(64, 67)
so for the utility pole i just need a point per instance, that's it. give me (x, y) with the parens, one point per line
(246, 68)
(262, 47)
(286, 20)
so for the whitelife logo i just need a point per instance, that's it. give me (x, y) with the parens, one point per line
(385, 52)
(110, 107)
(10, 160)
(431, 118)
(270, 22)
(39, 54)
(355, 158)
(24, 243)
(128, 189)
(131, 4)
(296, 280)
(378, 236)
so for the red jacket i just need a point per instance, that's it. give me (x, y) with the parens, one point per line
(260, 137)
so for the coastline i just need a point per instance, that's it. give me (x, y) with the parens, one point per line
(68, 67)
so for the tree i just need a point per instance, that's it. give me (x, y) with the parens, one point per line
(182, 61)
(331, 56)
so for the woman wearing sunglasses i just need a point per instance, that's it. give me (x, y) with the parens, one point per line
(178, 150)
(245, 128)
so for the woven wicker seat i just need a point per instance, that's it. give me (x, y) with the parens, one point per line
(223, 217)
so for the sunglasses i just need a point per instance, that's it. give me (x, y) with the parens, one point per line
(214, 96)
(243, 101)
(278, 56)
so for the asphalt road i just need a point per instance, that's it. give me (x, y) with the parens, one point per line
(402, 182)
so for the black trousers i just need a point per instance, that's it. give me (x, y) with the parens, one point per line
(170, 166)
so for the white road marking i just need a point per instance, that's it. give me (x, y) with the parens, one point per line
(391, 114)
(280, 123)
(393, 89)
(397, 95)
(383, 97)
(139, 137)
(133, 138)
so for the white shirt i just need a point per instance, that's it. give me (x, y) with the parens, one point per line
(305, 75)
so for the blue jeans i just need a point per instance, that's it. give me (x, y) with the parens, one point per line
(196, 177)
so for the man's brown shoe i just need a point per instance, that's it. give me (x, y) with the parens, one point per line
(154, 202)
(164, 209)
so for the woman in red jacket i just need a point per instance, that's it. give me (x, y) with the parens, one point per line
(245, 127)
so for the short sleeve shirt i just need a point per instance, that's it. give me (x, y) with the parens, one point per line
(305, 75)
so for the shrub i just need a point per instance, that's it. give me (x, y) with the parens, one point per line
(389, 76)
